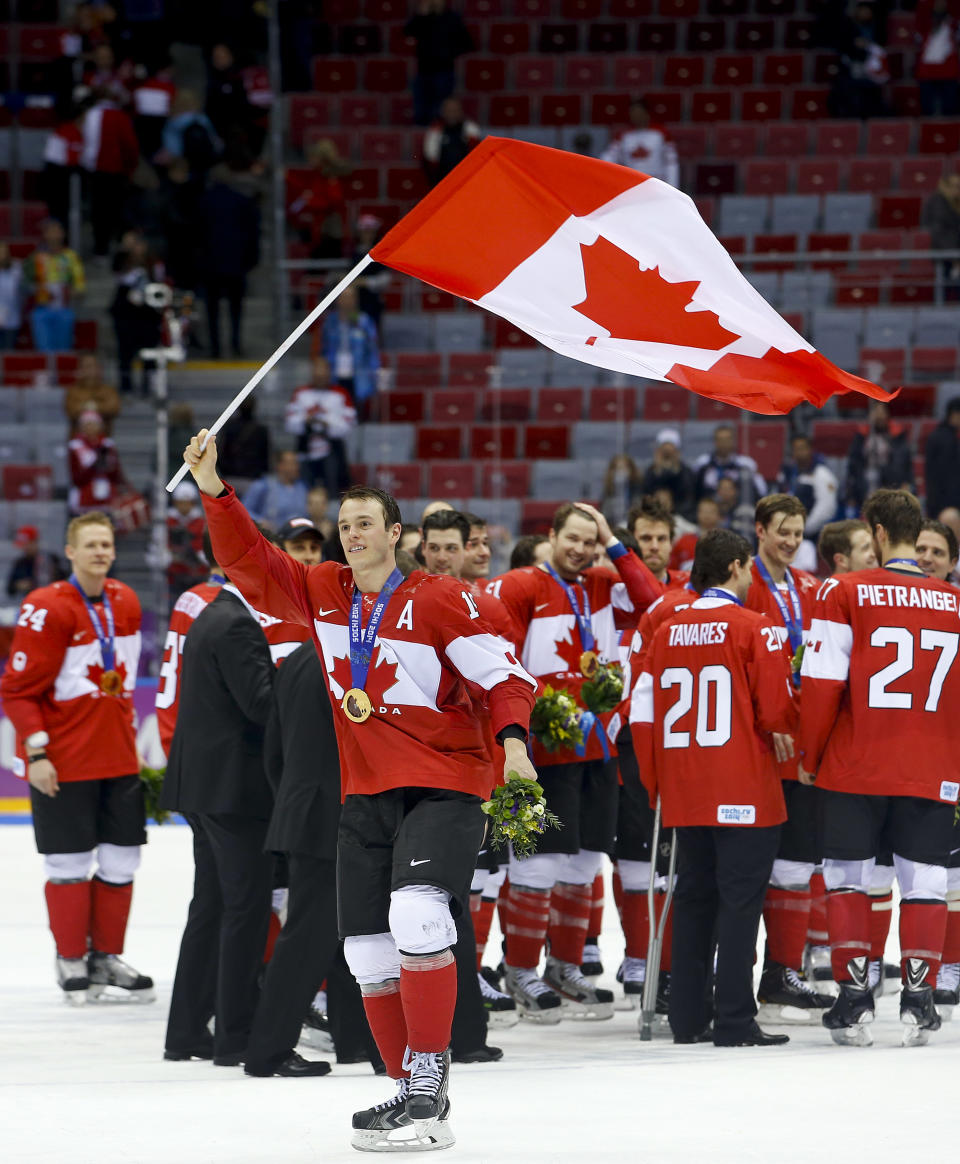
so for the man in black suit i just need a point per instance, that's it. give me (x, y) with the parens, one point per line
(215, 777)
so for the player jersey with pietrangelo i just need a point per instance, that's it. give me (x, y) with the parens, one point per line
(182, 618)
(714, 683)
(881, 686)
(549, 641)
(52, 682)
(434, 657)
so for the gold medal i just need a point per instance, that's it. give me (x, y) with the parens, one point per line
(589, 662)
(111, 683)
(356, 705)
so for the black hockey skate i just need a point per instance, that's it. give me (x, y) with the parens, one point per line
(106, 970)
(785, 996)
(535, 998)
(853, 1010)
(386, 1127)
(631, 974)
(917, 1011)
(579, 997)
(591, 966)
(663, 993)
(73, 979)
(501, 1008)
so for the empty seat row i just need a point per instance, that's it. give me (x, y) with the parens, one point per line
(832, 212)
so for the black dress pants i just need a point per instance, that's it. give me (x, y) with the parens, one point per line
(722, 876)
(222, 946)
(469, 1031)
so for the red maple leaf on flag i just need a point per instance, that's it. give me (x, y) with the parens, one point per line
(381, 678)
(570, 651)
(641, 305)
(340, 672)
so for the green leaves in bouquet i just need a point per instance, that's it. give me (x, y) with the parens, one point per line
(555, 720)
(604, 691)
(519, 815)
(152, 781)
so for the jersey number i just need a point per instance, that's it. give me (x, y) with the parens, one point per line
(31, 617)
(169, 670)
(471, 605)
(930, 640)
(714, 705)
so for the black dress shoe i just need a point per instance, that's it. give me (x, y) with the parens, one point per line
(234, 1059)
(203, 1051)
(753, 1036)
(293, 1067)
(480, 1055)
(705, 1036)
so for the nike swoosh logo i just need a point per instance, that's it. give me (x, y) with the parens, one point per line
(321, 612)
(425, 861)
(541, 606)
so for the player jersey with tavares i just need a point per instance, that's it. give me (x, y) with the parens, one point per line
(54, 678)
(714, 683)
(433, 658)
(549, 642)
(881, 686)
(182, 618)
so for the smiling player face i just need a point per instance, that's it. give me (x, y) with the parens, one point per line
(933, 555)
(443, 552)
(367, 543)
(779, 541)
(572, 547)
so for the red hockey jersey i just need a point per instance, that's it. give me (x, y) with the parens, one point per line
(715, 682)
(434, 657)
(182, 618)
(881, 686)
(52, 682)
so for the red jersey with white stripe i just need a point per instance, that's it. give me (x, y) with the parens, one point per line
(549, 643)
(715, 683)
(434, 657)
(52, 681)
(182, 618)
(881, 686)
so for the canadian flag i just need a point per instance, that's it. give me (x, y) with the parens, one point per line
(609, 266)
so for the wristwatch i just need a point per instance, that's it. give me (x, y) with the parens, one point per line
(37, 740)
(36, 757)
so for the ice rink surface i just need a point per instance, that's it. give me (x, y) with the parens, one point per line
(89, 1086)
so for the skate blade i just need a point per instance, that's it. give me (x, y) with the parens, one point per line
(586, 1012)
(945, 1010)
(100, 993)
(914, 1036)
(543, 1018)
(855, 1036)
(438, 1137)
(629, 1002)
(787, 1016)
(75, 997)
(502, 1020)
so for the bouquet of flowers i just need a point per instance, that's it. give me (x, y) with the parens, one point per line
(519, 815)
(152, 781)
(605, 690)
(555, 720)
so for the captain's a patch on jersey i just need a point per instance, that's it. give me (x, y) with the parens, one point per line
(736, 814)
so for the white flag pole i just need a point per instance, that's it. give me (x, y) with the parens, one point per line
(274, 359)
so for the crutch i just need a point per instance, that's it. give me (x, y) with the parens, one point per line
(648, 1008)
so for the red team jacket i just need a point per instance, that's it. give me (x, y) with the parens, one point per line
(52, 681)
(549, 644)
(434, 658)
(714, 681)
(881, 686)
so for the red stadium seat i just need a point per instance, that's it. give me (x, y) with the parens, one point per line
(786, 139)
(753, 35)
(385, 11)
(307, 112)
(711, 105)
(582, 9)
(384, 145)
(818, 175)
(715, 410)
(360, 110)
(914, 400)
(509, 110)
(783, 69)
(690, 140)
(870, 175)
(506, 38)
(537, 516)
(886, 366)
(799, 34)
(560, 404)
(899, 210)
(765, 442)
(438, 443)
(612, 404)
(831, 244)
(546, 442)
(921, 174)
(485, 74)
(666, 404)
(766, 177)
(66, 364)
(678, 9)
(359, 39)
(451, 479)
(405, 183)
(560, 109)
(634, 73)
(940, 362)
(735, 141)
(561, 38)
(706, 36)
(837, 139)
(400, 407)
(889, 137)
(664, 106)
(734, 244)
(506, 479)
(490, 442)
(506, 404)
(832, 438)
(878, 240)
(85, 335)
(774, 244)
(727, 7)
(363, 182)
(609, 108)
(334, 74)
(901, 30)
(628, 9)
(809, 104)
(469, 369)
(39, 42)
(826, 68)
(733, 70)
(586, 74)
(856, 289)
(909, 289)
(482, 9)
(603, 38)
(684, 70)
(21, 369)
(418, 369)
(453, 406)
(433, 300)
(533, 73)
(403, 481)
(715, 178)
(508, 335)
(654, 36)
(939, 137)
(385, 76)
(27, 482)
(760, 105)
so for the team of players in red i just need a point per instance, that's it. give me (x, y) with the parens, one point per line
(733, 716)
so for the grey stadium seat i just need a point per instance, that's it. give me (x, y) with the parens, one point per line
(887, 327)
(523, 367)
(805, 290)
(794, 213)
(743, 214)
(389, 444)
(557, 479)
(599, 438)
(937, 327)
(412, 333)
(847, 213)
(459, 331)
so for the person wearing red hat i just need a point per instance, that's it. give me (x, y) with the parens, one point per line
(34, 567)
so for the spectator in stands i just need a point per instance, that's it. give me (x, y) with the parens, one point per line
(185, 526)
(62, 152)
(941, 216)
(280, 495)
(448, 140)
(725, 461)
(105, 76)
(808, 476)
(735, 514)
(89, 392)
(530, 550)
(685, 547)
(879, 458)
(938, 62)
(645, 146)
(942, 461)
(54, 279)
(227, 105)
(153, 100)
(622, 486)
(321, 415)
(316, 206)
(189, 134)
(669, 471)
(230, 230)
(349, 344)
(180, 217)
(318, 510)
(858, 90)
(34, 567)
(137, 325)
(95, 473)
(11, 298)
(375, 280)
(243, 447)
(441, 37)
(110, 156)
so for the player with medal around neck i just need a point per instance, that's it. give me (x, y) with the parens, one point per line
(92, 557)
(778, 543)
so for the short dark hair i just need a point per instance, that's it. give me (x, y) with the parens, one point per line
(567, 510)
(715, 554)
(474, 520)
(209, 555)
(445, 519)
(952, 407)
(836, 537)
(938, 527)
(391, 510)
(768, 507)
(522, 553)
(626, 538)
(898, 511)
(650, 509)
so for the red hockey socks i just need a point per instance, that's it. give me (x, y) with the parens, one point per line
(922, 929)
(595, 924)
(482, 911)
(428, 987)
(666, 946)
(881, 913)
(848, 920)
(68, 908)
(617, 886)
(635, 918)
(786, 915)
(110, 908)
(817, 933)
(528, 915)
(569, 917)
(273, 932)
(383, 1007)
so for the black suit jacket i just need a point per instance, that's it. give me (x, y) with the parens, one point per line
(216, 758)
(303, 764)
